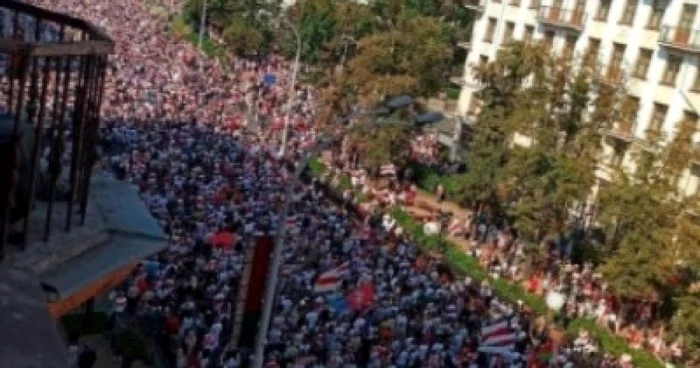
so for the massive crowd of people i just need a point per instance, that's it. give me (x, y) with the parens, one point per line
(182, 128)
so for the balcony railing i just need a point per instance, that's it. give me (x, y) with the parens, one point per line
(476, 5)
(684, 39)
(622, 131)
(53, 69)
(559, 17)
(464, 45)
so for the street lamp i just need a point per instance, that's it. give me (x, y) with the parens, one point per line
(277, 253)
(202, 24)
(290, 96)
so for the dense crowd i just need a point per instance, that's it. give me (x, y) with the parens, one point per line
(184, 129)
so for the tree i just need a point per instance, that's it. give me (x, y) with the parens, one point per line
(328, 29)
(390, 62)
(246, 26)
(686, 325)
(383, 142)
(654, 236)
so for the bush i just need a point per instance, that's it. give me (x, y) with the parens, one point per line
(428, 179)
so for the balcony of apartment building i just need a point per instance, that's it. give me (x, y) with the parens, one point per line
(572, 20)
(466, 45)
(682, 39)
(621, 132)
(476, 5)
(67, 231)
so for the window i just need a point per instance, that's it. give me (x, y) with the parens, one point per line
(615, 68)
(490, 30)
(618, 156)
(642, 66)
(510, 31)
(673, 66)
(629, 12)
(577, 17)
(658, 116)
(690, 116)
(549, 38)
(592, 51)
(657, 14)
(630, 109)
(534, 4)
(696, 81)
(687, 16)
(529, 33)
(483, 60)
(570, 46)
(515, 2)
(603, 11)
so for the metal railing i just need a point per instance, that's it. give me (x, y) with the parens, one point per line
(572, 19)
(52, 70)
(475, 4)
(623, 131)
(680, 38)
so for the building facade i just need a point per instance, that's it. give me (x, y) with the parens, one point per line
(652, 46)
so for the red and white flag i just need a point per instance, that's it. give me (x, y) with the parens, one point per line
(291, 222)
(498, 334)
(332, 279)
(387, 170)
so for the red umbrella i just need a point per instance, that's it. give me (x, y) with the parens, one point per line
(224, 239)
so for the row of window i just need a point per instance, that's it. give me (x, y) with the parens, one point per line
(641, 66)
(629, 13)
(603, 12)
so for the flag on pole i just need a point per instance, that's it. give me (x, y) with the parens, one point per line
(498, 334)
(331, 280)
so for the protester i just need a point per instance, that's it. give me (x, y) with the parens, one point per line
(198, 140)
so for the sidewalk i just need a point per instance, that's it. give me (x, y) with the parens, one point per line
(426, 203)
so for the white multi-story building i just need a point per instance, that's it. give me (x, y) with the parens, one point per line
(652, 46)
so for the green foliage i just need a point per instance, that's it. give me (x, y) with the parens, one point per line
(316, 167)
(390, 62)
(428, 179)
(246, 26)
(686, 325)
(613, 344)
(181, 28)
(382, 143)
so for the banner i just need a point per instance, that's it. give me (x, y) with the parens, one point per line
(252, 310)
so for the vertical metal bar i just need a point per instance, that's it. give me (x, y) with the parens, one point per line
(87, 140)
(85, 118)
(38, 134)
(14, 161)
(56, 160)
(100, 82)
(15, 24)
(77, 135)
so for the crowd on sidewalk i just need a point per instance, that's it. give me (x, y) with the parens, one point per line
(355, 293)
